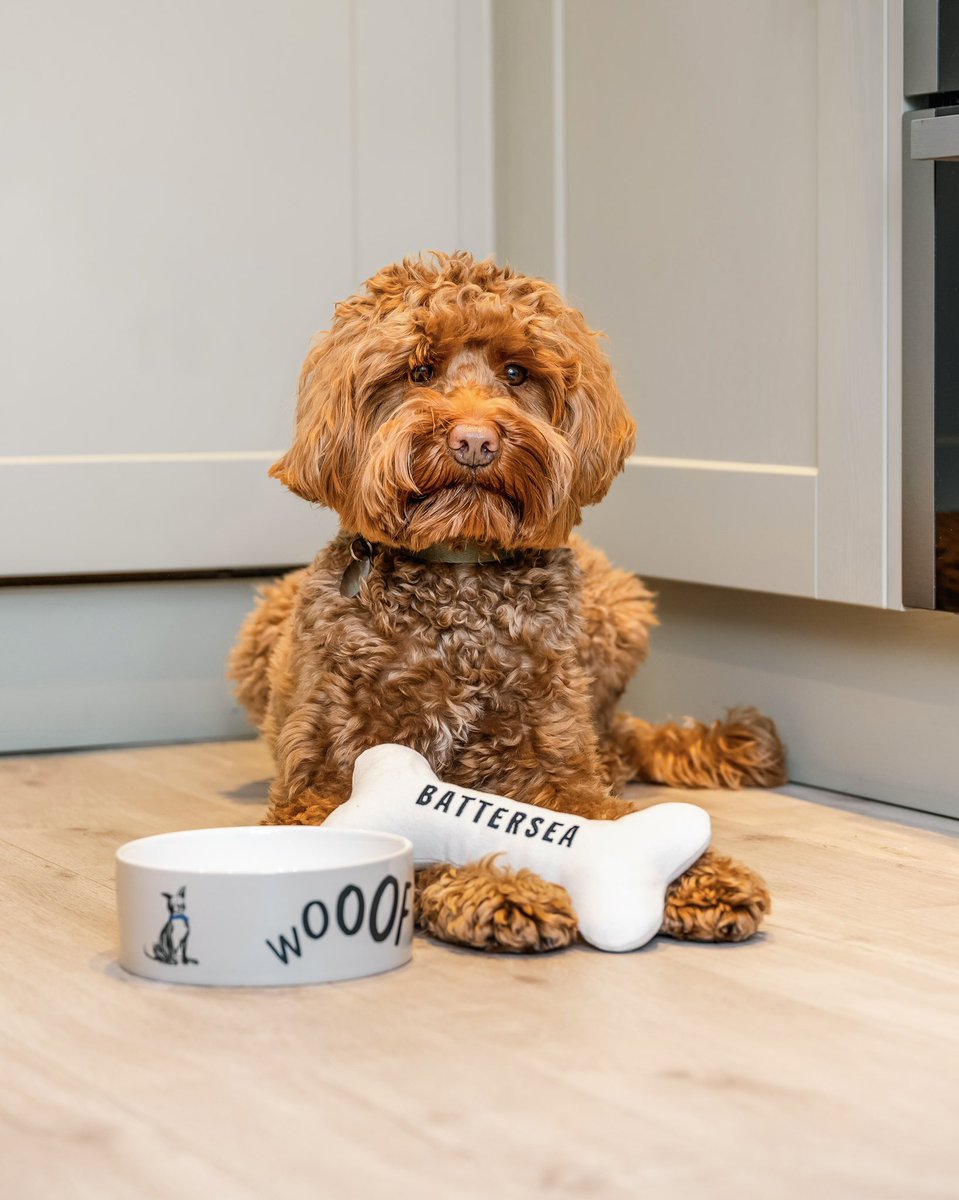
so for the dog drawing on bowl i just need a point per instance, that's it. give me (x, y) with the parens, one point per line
(171, 946)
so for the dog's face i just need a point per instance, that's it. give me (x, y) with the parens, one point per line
(176, 903)
(456, 401)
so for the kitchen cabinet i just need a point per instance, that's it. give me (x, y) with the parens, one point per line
(723, 196)
(188, 191)
(716, 185)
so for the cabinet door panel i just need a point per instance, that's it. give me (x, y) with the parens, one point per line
(163, 269)
(698, 151)
(189, 190)
(743, 528)
(726, 208)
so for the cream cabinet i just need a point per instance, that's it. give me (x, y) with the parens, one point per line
(187, 192)
(722, 193)
(715, 184)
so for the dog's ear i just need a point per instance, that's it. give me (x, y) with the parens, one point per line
(596, 420)
(318, 465)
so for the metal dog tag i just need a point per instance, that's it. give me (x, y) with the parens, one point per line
(362, 553)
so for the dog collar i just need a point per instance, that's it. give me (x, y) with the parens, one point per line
(362, 553)
(465, 552)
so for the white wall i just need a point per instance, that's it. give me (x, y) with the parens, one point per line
(866, 700)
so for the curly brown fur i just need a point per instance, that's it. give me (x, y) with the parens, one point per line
(717, 900)
(742, 751)
(370, 441)
(491, 908)
(255, 663)
(505, 674)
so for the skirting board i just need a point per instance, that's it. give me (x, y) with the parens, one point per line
(112, 664)
(866, 700)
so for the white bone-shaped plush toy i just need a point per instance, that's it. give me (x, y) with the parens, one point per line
(616, 872)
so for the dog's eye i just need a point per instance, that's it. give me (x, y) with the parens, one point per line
(422, 373)
(515, 374)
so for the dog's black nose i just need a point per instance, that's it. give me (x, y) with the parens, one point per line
(473, 444)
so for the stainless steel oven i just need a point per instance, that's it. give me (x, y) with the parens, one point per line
(931, 305)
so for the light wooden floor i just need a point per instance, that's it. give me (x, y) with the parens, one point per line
(817, 1061)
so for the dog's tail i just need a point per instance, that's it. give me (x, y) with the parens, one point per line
(744, 750)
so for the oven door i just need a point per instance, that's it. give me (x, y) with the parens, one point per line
(931, 44)
(931, 358)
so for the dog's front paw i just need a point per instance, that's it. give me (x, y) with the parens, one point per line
(491, 908)
(717, 900)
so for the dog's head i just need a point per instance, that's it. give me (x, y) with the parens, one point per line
(457, 401)
(176, 903)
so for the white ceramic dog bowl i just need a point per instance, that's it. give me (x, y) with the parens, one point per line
(265, 905)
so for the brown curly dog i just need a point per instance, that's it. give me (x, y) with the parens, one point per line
(458, 416)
